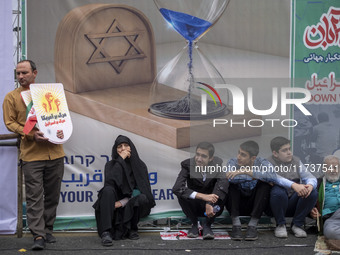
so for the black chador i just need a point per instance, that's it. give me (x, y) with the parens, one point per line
(124, 180)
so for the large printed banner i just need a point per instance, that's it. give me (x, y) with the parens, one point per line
(8, 155)
(315, 66)
(96, 127)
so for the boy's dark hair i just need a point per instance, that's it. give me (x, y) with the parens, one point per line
(33, 65)
(277, 142)
(251, 147)
(206, 146)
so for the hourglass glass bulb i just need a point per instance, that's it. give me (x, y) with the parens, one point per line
(177, 89)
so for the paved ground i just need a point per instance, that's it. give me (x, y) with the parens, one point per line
(151, 243)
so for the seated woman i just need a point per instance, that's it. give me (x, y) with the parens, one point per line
(126, 196)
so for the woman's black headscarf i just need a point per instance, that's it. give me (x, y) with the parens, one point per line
(135, 165)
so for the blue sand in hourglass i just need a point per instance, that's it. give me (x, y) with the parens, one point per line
(188, 107)
(190, 27)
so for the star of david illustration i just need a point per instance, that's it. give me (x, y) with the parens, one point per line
(100, 55)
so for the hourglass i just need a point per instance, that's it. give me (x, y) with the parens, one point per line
(184, 88)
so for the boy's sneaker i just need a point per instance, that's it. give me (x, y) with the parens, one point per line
(236, 233)
(281, 231)
(193, 232)
(208, 234)
(299, 232)
(251, 234)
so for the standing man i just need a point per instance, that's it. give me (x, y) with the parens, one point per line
(326, 138)
(200, 187)
(298, 197)
(42, 162)
(247, 196)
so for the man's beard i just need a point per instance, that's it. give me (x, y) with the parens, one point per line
(333, 178)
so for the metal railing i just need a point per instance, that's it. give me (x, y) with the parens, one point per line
(7, 140)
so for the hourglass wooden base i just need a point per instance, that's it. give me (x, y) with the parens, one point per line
(127, 108)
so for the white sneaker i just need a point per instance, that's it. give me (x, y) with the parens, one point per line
(298, 232)
(281, 231)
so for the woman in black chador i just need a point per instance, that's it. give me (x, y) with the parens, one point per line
(126, 196)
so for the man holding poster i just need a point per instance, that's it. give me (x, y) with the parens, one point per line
(42, 161)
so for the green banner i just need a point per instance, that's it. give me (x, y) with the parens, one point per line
(315, 66)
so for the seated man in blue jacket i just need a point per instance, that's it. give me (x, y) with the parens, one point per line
(200, 187)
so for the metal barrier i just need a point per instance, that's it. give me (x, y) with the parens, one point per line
(16, 143)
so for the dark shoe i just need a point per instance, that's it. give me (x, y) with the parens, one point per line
(106, 239)
(207, 233)
(251, 234)
(236, 233)
(193, 232)
(39, 244)
(50, 238)
(133, 235)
